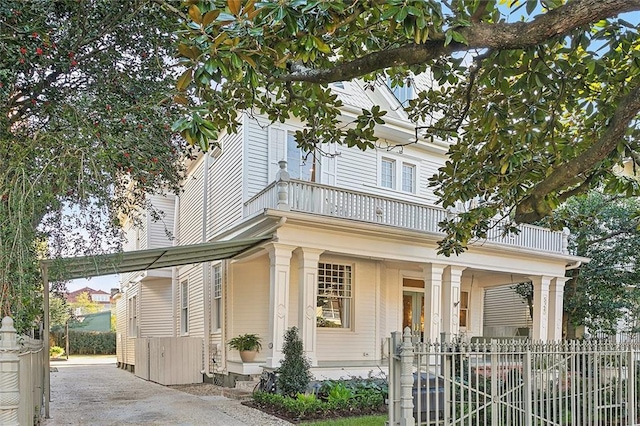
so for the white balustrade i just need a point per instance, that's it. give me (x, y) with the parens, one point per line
(326, 200)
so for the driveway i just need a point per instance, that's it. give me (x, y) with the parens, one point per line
(93, 391)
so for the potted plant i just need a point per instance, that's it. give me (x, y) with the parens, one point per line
(247, 344)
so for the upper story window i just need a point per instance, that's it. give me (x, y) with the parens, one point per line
(301, 165)
(334, 296)
(403, 93)
(398, 174)
(133, 316)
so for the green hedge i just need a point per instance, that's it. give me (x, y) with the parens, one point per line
(87, 342)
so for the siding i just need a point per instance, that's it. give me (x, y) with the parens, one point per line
(224, 197)
(504, 311)
(256, 153)
(155, 309)
(193, 274)
(129, 347)
(191, 208)
(121, 324)
(157, 235)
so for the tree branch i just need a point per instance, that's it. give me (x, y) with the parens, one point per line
(533, 207)
(480, 35)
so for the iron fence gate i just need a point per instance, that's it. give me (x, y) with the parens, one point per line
(513, 382)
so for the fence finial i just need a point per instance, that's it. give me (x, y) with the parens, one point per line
(9, 373)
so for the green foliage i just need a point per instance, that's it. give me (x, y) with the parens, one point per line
(84, 132)
(55, 352)
(58, 311)
(353, 421)
(246, 342)
(293, 375)
(604, 290)
(87, 343)
(537, 100)
(85, 304)
(339, 396)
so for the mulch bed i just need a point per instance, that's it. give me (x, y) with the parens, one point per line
(324, 415)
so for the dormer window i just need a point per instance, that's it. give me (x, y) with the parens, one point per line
(403, 93)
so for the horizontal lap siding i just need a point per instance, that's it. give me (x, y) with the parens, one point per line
(130, 340)
(191, 208)
(224, 199)
(161, 230)
(156, 319)
(347, 345)
(503, 307)
(256, 154)
(193, 274)
(249, 302)
(121, 331)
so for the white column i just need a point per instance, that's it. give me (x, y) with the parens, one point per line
(308, 299)
(556, 299)
(541, 307)
(451, 300)
(280, 267)
(432, 300)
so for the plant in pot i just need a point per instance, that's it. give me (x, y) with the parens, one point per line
(247, 344)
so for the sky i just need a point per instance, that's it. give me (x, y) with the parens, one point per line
(105, 283)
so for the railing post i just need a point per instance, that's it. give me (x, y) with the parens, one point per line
(282, 179)
(565, 240)
(9, 374)
(406, 380)
(632, 404)
(527, 387)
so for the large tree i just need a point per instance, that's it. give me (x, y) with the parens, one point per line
(85, 115)
(539, 99)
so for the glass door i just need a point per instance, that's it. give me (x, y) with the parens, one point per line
(413, 311)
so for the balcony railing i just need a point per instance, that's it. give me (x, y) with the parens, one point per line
(307, 197)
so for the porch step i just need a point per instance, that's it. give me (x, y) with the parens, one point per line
(246, 385)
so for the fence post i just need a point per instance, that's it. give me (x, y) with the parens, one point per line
(9, 374)
(632, 404)
(406, 380)
(527, 388)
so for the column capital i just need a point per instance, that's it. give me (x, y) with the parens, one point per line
(279, 249)
(541, 279)
(434, 268)
(561, 281)
(306, 252)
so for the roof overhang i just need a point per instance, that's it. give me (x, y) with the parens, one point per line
(69, 268)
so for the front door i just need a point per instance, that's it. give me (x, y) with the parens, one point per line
(413, 311)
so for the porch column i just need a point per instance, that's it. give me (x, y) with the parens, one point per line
(432, 300)
(280, 266)
(541, 307)
(451, 300)
(556, 299)
(307, 299)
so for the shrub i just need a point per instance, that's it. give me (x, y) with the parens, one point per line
(339, 396)
(293, 375)
(56, 352)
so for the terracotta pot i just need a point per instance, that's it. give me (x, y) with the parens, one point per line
(248, 356)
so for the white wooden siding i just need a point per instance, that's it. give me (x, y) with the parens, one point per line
(256, 155)
(504, 311)
(155, 319)
(191, 208)
(121, 332)
(129, 341)
(193, 274)
(157, 235)
(224, 197)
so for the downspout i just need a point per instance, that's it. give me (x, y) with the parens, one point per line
(573, 265)
(174, 269)
(45, 343)
(206, 269)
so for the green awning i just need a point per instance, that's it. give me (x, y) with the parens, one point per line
(69, 268)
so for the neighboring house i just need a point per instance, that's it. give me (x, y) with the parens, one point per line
(351, 254)
(100, 297)
(99, 321)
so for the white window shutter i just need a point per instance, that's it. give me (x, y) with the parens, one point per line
(277, 150)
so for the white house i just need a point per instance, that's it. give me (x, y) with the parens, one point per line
(350, 254)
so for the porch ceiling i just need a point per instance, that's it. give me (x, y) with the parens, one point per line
(69, 268)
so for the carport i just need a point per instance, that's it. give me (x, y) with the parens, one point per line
(68, 268)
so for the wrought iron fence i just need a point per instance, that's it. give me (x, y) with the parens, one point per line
(512, 383)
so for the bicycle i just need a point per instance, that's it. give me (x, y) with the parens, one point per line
(267, 382)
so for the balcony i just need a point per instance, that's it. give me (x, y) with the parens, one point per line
(308, 197)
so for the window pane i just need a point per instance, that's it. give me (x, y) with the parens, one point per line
(299, 164)
(217, 297)
(408, 177)
(387, 173)
(334, 296)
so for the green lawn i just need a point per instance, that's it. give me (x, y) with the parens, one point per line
(353, 421)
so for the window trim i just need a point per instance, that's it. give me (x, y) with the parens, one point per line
(184, 310)
(216, 300)
(399, 162)
(350, 308)
(133, 316)
(465, 309)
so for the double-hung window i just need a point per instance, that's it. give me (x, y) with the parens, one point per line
(184, 307)
(464, 308)
(133, 316)
(398, 174)
(216, 295)
(335, 293)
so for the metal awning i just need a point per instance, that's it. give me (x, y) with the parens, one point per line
(69, 268)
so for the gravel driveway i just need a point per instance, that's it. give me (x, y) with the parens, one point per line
(93, 391)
